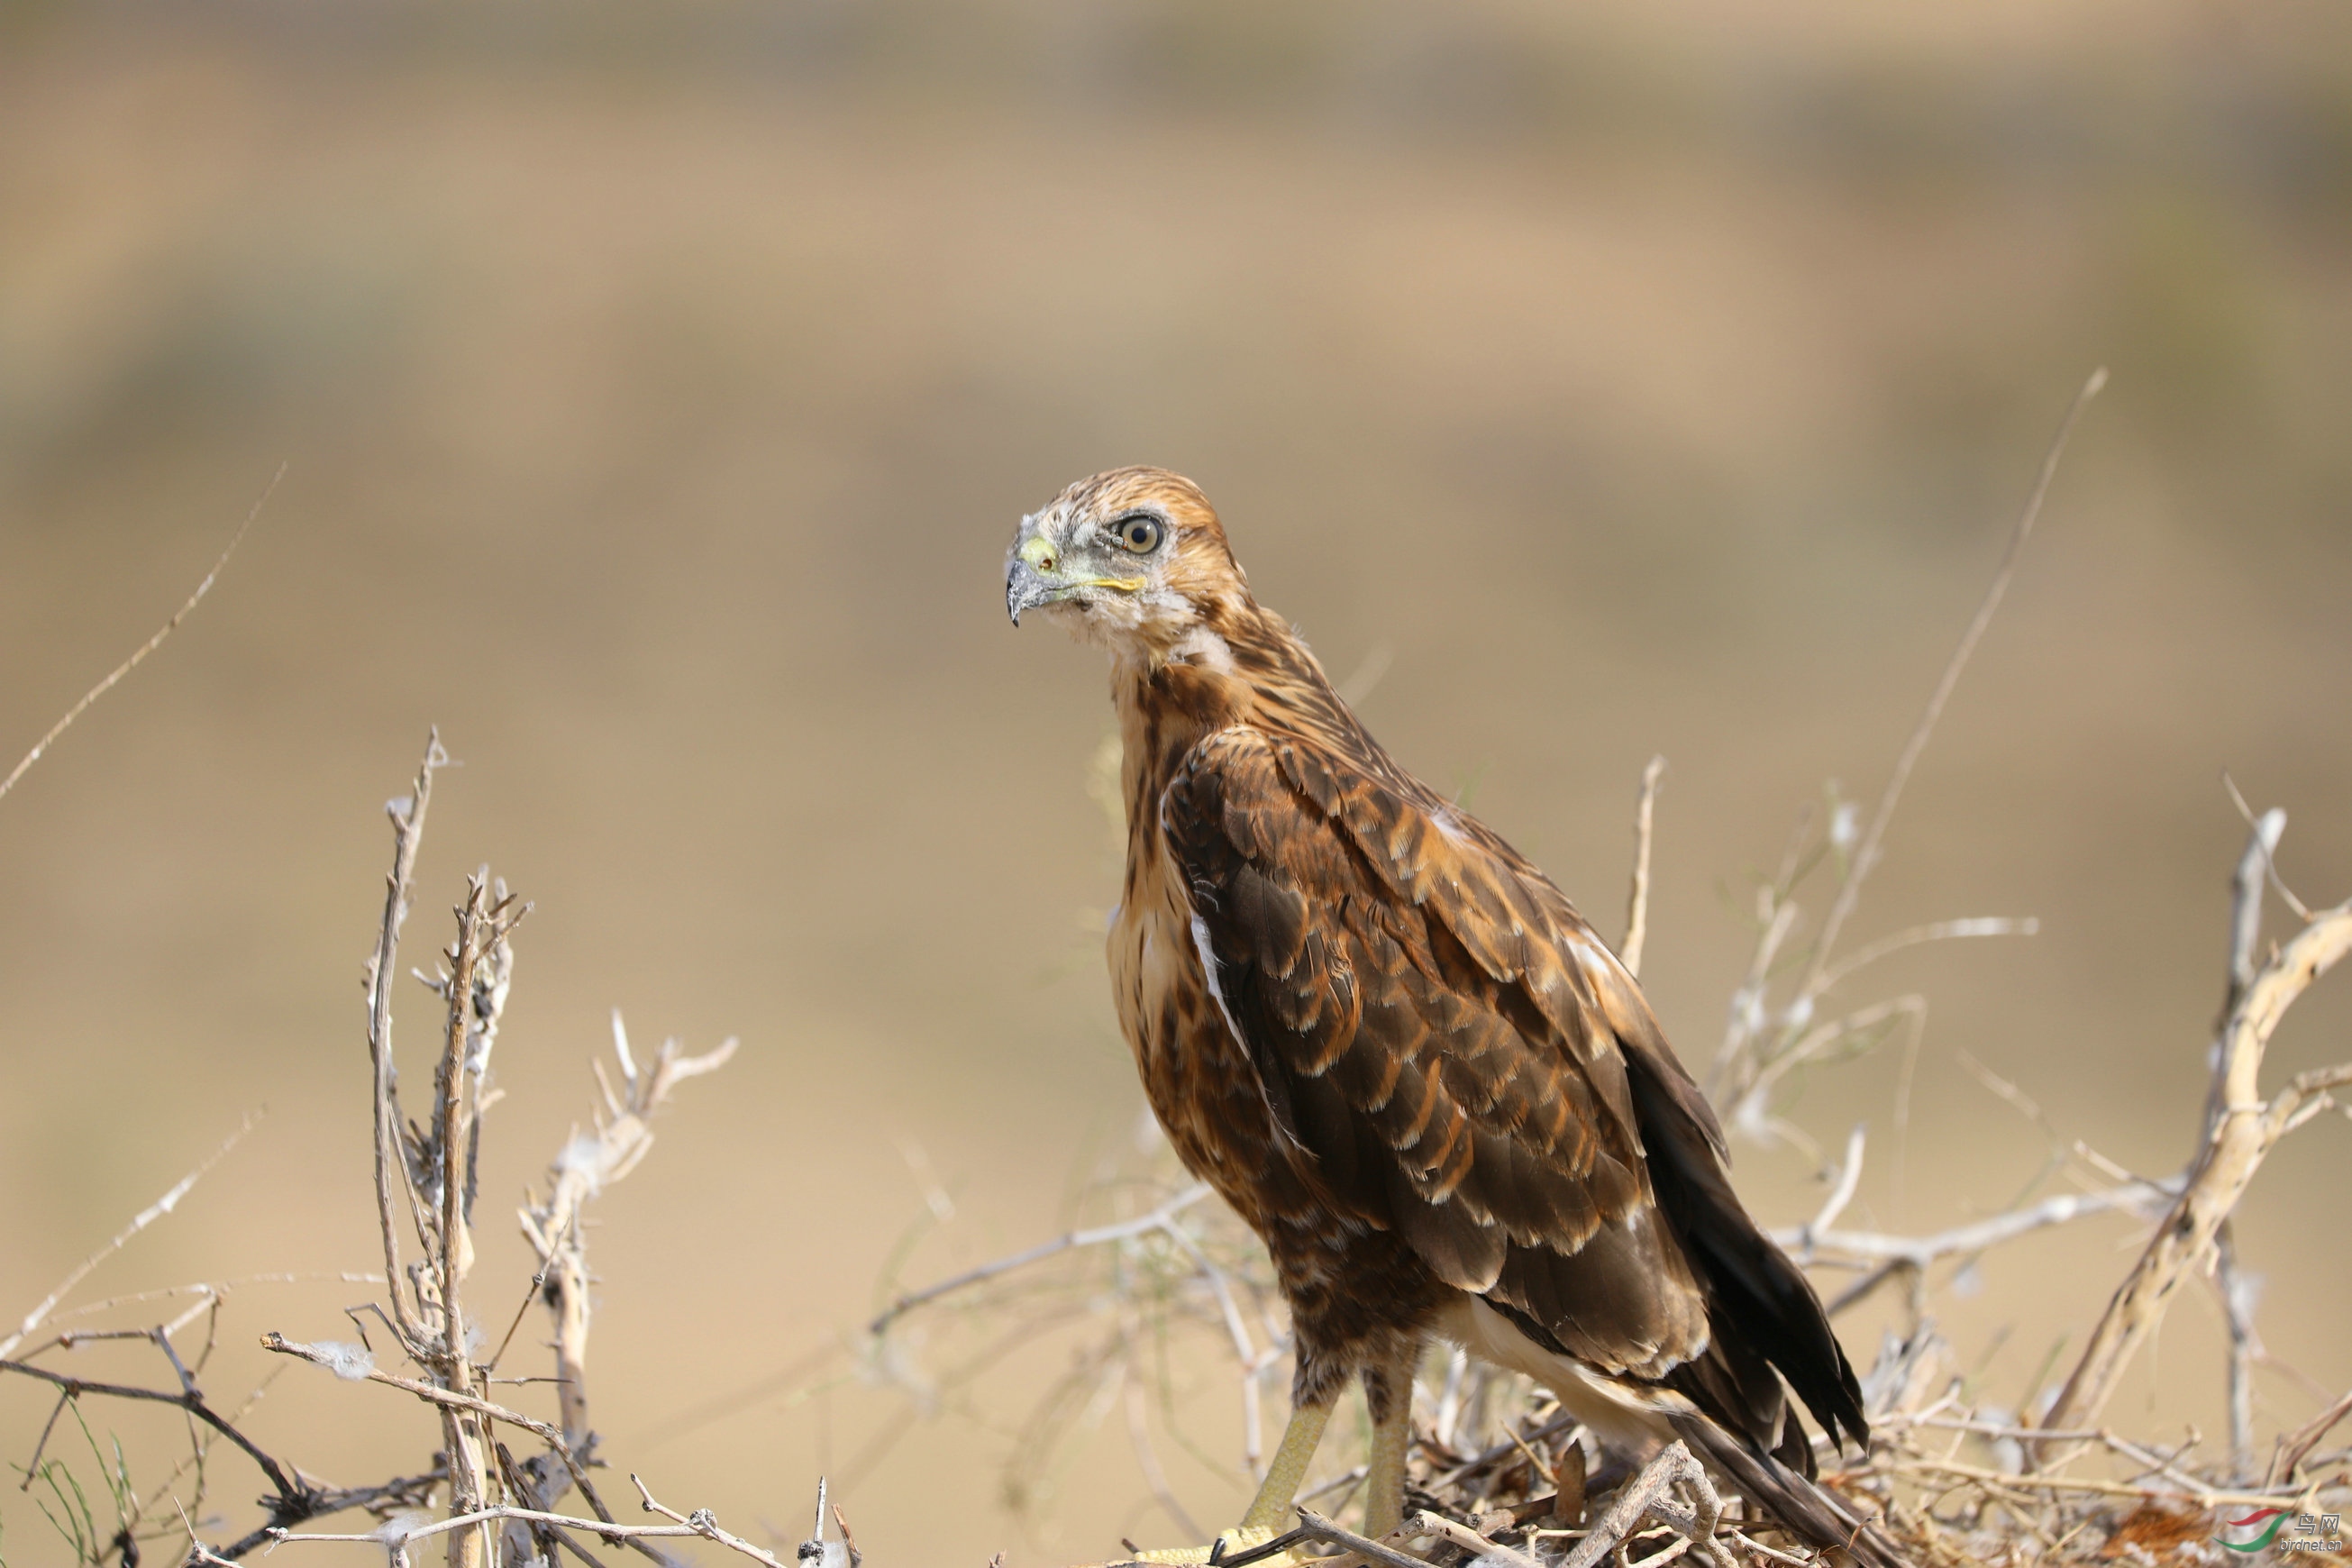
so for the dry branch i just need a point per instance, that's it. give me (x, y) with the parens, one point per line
(700, 1524)
(475, 990)
(1865, 856)
(2242, 1127)
(585, 1167)
(1161, 1218)
(407, 816)
(33, 1319)
(41, 747)
(1763, 1045)
(2296, 1446)
(1637, 901)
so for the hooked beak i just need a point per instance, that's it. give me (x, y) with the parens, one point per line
(1026, 584)
(1035, 574)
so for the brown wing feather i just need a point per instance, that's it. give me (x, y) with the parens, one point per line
(1468, 1063)
(1417, 1020)
(1763, 1312)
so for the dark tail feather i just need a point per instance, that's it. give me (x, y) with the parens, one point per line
(1758, 1298)
(1813, 1514)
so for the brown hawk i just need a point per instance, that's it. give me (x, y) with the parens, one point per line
(1396, 1048)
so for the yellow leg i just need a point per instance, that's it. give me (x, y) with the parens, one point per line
(1384, 1486)
(1272, 1506)
(1388, 1389)
(1270, 1514)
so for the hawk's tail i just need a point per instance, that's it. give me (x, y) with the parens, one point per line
(1818, 1517)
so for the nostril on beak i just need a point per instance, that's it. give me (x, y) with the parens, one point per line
(1039, 553)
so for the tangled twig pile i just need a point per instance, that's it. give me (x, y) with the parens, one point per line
(1954, 1478)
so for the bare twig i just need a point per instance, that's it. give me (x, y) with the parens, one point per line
(2238, 1291)
(1761, 1044)
(464, 1440)
(702, 1522)
(585, 1167)
(2242, 1130)
(1865, 857)
(33, 1319)
(2203, 1498)
(1890, 1257)
(1147, 1458)
(290, 1491)
(1870, 952)
(479, 964)
(1637, 905)
(2297, 1445)
(2270, 866)
(1503, 1450)
(1424, 1522)
(407, 834)
(41, 747)
(447, 1399)
(699, 1523)
(1314, 1527)
(1857, 1248)
(1849, 1176)
(2246, 902)
(1651, 1493)
(1096, 1236)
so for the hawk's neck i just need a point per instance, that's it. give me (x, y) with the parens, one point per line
(1245, 667)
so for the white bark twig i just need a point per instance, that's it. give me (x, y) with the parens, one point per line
(1637, 904)
(1423, 1523)
(2270, 866)
(1862, 1249)
(1313, 1526)
(1147, 1456)
(1849, 1176)
(585, 1167)
(341, 1364)
(1870, 952)
(2242, 1130)
(703, 1523)
(2237, 1291)
(475, 989)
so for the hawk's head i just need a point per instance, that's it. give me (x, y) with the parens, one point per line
(1134, 559)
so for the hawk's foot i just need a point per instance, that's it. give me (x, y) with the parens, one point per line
(1235, 1542)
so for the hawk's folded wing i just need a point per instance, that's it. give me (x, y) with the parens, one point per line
(1468, 1064)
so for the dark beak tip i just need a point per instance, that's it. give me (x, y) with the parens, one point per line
(1023, 590)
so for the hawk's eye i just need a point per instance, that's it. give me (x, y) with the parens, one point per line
(1140, 535)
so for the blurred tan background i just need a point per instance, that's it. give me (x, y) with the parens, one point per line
(660, 386)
